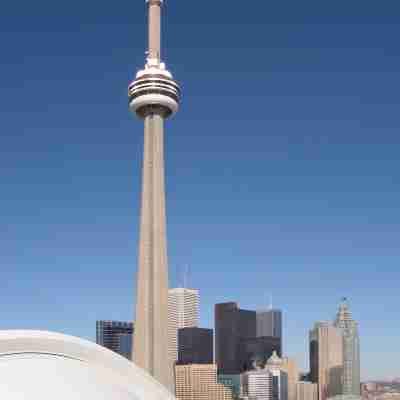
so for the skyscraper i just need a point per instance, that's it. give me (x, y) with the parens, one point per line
(258, 349)
(231, 325)
(195, 346)
(153, 96)
(269, 323)
(326, 359)
(242, 336)
(351, 350)
(115, 336)
(289, 365)
(183, 312)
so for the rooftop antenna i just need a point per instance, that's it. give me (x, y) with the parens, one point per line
(270, 301)
(186, 276)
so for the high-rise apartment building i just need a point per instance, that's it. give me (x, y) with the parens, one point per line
(258, 384)
(116, 336)
(183, 312)
(351, 350)
(199, 382)
(326, 359)
(195, 346)
(269, 323)
(242, 336)
(307, 391)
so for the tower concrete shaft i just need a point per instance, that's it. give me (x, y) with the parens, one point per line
(153, 96)
(151, 334)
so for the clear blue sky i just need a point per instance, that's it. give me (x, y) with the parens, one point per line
(283, 166)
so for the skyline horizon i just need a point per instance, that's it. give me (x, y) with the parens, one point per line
(282, 167)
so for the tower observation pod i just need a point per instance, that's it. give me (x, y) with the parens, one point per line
(154, 91)
(153, 97)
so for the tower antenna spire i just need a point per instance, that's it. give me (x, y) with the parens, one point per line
(185, 276)
(154, 34)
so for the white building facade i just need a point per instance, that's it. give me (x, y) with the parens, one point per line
(183, 312)
(258, 385)
(280, 383)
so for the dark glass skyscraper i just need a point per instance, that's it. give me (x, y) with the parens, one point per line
(242, 336)
(351, 350)
(115, 336)
(195, 346)
(231, 325)
(269, 323)
(257, 350)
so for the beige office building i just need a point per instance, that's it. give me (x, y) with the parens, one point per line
(326, 359)
(306, 391)
(199, 382)
(183, 312)
(290, 366)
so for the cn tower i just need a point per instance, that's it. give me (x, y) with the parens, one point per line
(153, 97)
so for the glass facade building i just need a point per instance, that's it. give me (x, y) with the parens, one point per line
(195, 346)
(116, 336)
(243, 337)
(231, 325)
(257, 350)
(269, 323)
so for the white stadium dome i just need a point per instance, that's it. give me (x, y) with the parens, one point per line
(47, 366)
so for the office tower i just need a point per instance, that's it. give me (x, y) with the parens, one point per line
(231, 325)
(183, 312)
(199, 382)
(153, 96)
(289, 365)
(269, 323)
(257, 349)
(242, 336)
(351, 350)
(307, 391)
(326, 359)
(258, 384)
(280, 381)
(115, 336)
(195, 346)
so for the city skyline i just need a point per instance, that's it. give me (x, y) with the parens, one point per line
(290, 186)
